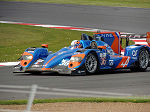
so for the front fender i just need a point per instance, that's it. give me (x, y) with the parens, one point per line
(85, 53)
(36, 53)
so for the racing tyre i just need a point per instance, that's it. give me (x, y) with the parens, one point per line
(143, 61)
(91, 63)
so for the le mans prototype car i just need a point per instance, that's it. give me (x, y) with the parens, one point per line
(87, 56)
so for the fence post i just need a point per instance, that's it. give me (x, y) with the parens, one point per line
(31, 97)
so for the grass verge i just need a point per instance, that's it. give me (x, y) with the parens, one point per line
(14, 39)
(114, 3)
(96, 100)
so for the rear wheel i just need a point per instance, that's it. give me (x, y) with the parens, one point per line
(143, 61)
(91, 63)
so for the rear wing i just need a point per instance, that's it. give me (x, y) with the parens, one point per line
(132, 36)
(114, 39)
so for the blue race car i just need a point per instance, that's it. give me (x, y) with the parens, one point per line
(87, 56)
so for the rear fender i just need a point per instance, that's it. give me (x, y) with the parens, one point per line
(134, 50)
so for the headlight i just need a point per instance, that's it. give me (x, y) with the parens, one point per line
(76, 59)
(27, 57)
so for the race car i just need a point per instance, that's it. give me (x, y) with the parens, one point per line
(87, 56)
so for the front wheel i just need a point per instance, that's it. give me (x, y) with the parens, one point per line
(91, 63)
(143, 61)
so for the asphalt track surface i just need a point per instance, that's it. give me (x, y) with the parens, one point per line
(110, 18)
(108, 83)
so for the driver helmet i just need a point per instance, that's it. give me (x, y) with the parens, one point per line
(76, 44)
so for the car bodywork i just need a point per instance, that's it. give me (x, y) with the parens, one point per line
(100, 52)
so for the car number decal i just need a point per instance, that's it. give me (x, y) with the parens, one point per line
(134, 52)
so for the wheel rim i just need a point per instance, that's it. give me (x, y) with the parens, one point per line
(143, 59)
(91, 63)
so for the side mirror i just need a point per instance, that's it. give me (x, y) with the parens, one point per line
(44, 45)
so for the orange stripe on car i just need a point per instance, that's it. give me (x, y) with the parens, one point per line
(101, 47)
(47, 63)
(115, 45)
(46, 68)
(79, 55)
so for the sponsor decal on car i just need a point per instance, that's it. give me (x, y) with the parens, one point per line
(111, 62)
(107, 35)
(126, 62)
(103, 62)
(64, 62)
(134, 53)
(81, 71)
(103, 55)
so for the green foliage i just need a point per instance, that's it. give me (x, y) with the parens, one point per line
(97, 100)
(13, 102)
(14, 39)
